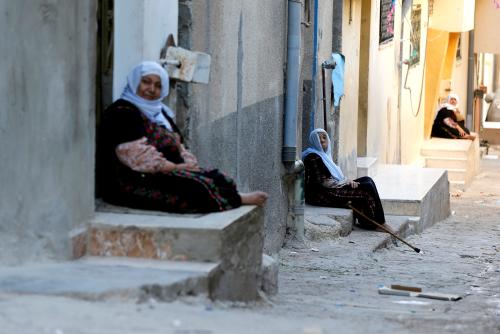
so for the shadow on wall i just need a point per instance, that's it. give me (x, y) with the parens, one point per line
(247, 146)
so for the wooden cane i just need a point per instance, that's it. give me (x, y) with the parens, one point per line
(382, 227)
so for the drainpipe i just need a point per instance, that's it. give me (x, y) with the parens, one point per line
(470, 81)
(293, 166)
(314, 67)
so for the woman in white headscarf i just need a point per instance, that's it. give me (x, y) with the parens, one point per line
(144, 162)
(326, 185)
(449, 122)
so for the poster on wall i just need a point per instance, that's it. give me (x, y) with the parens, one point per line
(387, 9)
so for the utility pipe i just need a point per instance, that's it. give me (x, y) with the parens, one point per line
(289, 150)
(314, 68)
(470, 81)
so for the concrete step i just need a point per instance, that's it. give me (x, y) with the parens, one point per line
(166, 237)
(323, 223)
(366, 166)
(458, 185)
(413, 191)
(100, 278)
(445, 163)
(447, 148)
(232, 238)
(457, 174)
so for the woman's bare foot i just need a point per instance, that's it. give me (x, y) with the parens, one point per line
(254, 198)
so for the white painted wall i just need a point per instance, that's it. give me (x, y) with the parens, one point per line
(349, 102)
(140, 31)
(453, 15)
(382, 126)
(486, 28)
(413, 92)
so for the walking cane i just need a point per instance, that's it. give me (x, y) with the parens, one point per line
(382, 227)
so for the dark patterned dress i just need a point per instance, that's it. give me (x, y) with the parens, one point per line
(441, 130)
(322, 189)
(179, 191)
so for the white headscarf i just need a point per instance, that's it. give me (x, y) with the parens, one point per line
(450, 106)
(326, 156)
(447, 104)
(150, 108)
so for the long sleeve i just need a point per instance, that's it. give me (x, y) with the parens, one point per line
(318, 174)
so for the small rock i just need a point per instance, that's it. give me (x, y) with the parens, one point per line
(314, 250)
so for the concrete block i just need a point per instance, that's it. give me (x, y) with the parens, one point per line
(366, 166)
(329, 218)
(414, 191)
(109, 278)
(240, 258)
(232, 238)
(269, 275)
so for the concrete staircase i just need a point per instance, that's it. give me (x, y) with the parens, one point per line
(459, 157)
(413, 198)
(138, 254)
(407, 190)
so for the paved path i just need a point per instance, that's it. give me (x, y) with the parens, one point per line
(331, 289)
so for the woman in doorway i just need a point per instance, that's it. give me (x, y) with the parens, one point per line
(145, 163)
(449, 122)
(326, 185)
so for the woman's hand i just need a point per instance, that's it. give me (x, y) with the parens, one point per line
(189, 166)
(189, 157)
(461, 131)
(353, 184)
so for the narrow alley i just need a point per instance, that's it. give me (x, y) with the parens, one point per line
(330, 287)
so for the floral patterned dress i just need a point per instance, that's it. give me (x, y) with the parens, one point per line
(178, 191)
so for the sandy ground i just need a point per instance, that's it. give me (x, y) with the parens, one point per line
(333, 289)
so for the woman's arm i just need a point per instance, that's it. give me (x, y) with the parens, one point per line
(142, 157)
(320, 175)
(454, 125)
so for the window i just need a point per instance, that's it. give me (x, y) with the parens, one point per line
(416, 19)
(387, 10)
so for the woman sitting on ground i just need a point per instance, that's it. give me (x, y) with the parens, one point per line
(326, 185)
(145, 163)
(449, 122)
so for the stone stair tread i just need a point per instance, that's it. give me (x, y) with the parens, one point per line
(444, 144)
(100, 278)
(430, 157)
(212, 221)
(460, 170)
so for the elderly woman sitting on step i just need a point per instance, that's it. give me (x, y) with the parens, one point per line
(449, 122)
(145, 164)
(326, 185)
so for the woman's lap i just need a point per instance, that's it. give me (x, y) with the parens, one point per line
(208, 191)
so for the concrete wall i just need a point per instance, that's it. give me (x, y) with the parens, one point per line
(348, 142)
(412, 81)
(459, 75)
(487, 25)
(235, 122)
(383, 91)
(137, 37)
(47, 125)
(453, 15)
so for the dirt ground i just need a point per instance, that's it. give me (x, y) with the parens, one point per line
(331, 289)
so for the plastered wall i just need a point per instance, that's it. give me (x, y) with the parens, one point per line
(47, 126)
(235, 122)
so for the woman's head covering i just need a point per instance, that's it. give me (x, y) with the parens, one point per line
(150, 108)
(450, 106)
(326, 156)
(453, 96)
